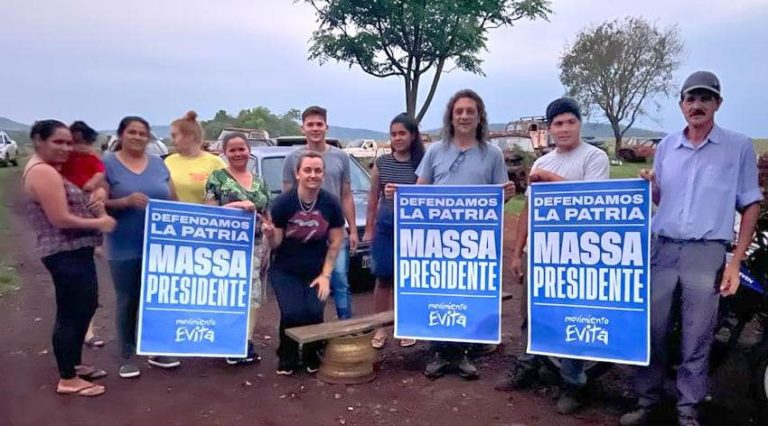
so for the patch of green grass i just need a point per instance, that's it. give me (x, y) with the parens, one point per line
(9, 278)
(628, 170)
(515, 204)
(761, 145)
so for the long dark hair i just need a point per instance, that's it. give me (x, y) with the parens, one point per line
(482, 127)
(417, 145)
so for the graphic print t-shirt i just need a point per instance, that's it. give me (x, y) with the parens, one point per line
(305, 234)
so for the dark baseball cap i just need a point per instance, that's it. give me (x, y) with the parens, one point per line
(701, 80)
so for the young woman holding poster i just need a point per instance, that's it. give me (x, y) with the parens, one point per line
(68, 226)
(399, 167)
(190, 167)
(236, 187)
(306, 232)
(133, 178)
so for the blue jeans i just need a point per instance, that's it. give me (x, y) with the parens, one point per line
(340, 283)
(126, 277)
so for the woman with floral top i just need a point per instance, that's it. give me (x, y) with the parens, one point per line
(236, 187)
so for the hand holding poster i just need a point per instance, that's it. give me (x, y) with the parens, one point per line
(448, 242)
(589, 270)
(196, 280)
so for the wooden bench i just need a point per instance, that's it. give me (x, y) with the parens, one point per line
(349, 355)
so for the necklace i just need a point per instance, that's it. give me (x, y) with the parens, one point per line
(310, 206)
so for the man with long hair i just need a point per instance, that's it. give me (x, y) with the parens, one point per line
(463, 157)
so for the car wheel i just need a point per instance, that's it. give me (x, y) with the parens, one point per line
(14, 162)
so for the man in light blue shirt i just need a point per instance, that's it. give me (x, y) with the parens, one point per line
(464, 157)
(701, 176)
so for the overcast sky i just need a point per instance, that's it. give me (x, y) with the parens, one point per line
(99, 61)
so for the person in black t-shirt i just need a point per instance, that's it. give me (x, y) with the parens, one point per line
(305, 232)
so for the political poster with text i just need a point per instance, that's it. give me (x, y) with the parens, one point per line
(589, 270)
(195, 281)
(448, 262)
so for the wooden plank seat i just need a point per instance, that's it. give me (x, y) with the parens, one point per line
(348, 356)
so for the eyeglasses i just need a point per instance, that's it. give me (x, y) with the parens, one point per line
(457, 161)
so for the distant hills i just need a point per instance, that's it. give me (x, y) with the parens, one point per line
(9, 125)
(346, 134)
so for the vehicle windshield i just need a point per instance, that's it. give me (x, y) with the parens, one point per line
(272, 174)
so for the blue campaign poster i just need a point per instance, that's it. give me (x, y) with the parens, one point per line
(195, 280)
(448, 262)
(589, 270)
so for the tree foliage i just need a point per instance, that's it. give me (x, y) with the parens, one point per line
(255, 118)
(620, 67)
(411, 38)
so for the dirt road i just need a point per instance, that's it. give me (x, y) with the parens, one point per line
(208, 392)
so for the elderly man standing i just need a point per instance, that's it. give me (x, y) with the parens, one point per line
(701, 175)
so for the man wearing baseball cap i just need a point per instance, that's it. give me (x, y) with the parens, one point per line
(701, 176)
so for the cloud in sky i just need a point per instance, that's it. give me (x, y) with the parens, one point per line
(101, 60)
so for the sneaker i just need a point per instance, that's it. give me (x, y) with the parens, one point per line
(687, 420)
(570, 400)
(637, 417)
(467, 370)
(285, 368)
(312, 364)
(164, 361)
(251, 358)
(519, 377)
(436, 368)
(283, 371)
(129, 370)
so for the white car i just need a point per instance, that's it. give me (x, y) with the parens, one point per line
(9, 150)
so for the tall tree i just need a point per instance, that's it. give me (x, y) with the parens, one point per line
(411, 38)
(255, 118)
(620, 67)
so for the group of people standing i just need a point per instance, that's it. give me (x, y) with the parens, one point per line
(700, 174)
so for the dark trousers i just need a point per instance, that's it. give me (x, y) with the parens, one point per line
(126, 277)
(299, 306)
(693, 267)
(74, 277)
(451, 350)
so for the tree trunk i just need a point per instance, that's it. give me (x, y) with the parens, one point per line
(411, 93)
(617, 134)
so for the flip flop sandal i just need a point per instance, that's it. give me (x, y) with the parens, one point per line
(94, 374)
(407, 343)
(379, 342)
(94, 342)
(87, 391)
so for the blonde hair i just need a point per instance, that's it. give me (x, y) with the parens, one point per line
(189, 126)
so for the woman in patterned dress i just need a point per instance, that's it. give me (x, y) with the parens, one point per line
(236, 187)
